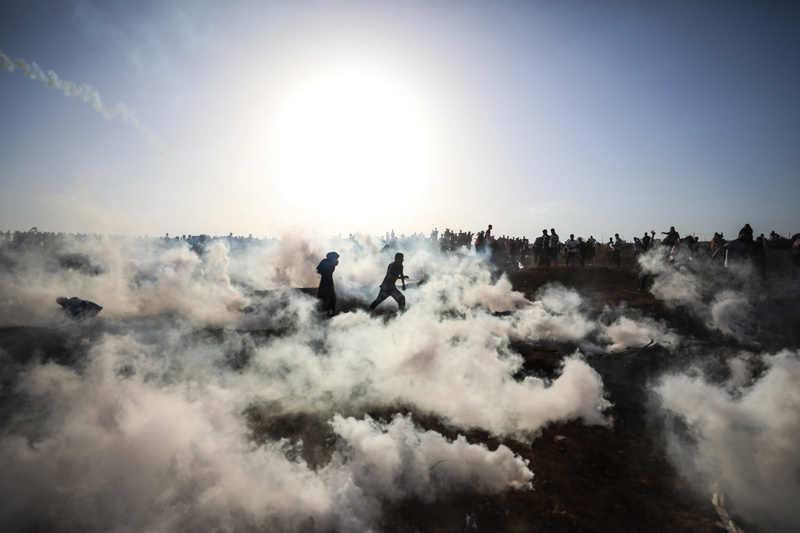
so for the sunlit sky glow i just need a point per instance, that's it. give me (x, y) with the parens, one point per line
(321, 118)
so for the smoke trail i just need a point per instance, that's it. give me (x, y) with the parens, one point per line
(85, 93)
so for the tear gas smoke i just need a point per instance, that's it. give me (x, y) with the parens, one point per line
(732, 314)
(704, 290)
(155, 407)
(740, 438)
(626, 332)
(153, 414)
(84, 92)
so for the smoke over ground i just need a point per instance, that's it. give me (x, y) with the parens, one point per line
(169, 411)
(740, 437)
(733, 417)
(154, 414)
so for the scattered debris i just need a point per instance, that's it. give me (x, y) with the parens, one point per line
(77, 308)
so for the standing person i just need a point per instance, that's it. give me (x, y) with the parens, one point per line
(582, 248)
(617, 247)
(544, 258)
(746, 234)
(537, 250)
(554, 246)
(489, 242)
(572, 250)
(646, 241)
(326, 292)
(388, 287)
(480, 243)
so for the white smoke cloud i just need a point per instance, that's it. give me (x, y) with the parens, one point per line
(149, 414)
(732, 314)
(84, 92)
(627, 332)
(390, 462)
(720, 298)
(742, 437)
(133, 432)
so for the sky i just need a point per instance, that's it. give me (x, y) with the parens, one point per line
(319, 118)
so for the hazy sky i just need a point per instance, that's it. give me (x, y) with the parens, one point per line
(325, 117)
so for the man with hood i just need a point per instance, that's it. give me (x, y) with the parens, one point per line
(326, 292)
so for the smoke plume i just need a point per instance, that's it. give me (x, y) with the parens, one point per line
(84, 92)
(740, 438)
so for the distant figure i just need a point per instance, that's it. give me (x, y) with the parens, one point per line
(717, 241)
(554, 246)
(617, 247)
(480, 242)
(572, 250)
(326, 292)
(734, 252)
(544, 253)
(537, 249)
(388, 288)
(795, 255)
(591, 245)
(488, 233)
(672, 236)
(582, 250)
(646, 241)
(746, 234)
(79, 309)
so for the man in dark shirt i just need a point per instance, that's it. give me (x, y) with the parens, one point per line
(388, 288)
(326, 292)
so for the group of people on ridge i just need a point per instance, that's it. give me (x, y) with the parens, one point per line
(548, 247)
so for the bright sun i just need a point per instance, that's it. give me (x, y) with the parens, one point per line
(349, 141)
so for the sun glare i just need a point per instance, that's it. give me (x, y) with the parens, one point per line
(347, 141)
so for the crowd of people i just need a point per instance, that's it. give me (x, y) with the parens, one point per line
(547, 248)
(34, 240)
(544, 251)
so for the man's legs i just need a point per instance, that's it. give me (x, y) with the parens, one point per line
(381, 297)
(394, 293)
(399, 298)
